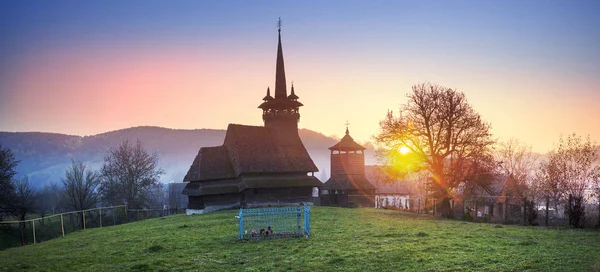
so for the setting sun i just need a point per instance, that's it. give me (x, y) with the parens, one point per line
(404, 150)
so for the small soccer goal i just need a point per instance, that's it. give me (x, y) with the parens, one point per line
(274, 223)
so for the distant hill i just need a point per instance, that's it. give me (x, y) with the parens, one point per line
(45, 156)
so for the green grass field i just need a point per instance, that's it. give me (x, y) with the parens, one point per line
(342, 240)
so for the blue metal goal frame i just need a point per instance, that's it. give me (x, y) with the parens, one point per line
(273, 223)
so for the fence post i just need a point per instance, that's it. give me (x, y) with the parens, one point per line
(126, 218)
(83, 213)
(240, 234)
(114, 216)
(33, 227)
(298, 219)
(100, 214)
(62, 224)
(434, 207)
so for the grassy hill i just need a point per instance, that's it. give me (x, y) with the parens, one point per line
(343, 240)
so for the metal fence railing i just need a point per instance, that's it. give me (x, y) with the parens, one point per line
(35, 230)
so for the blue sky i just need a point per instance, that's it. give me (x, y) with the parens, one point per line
(515, 60)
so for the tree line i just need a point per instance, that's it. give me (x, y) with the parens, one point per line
(450, 143)
(129, 175)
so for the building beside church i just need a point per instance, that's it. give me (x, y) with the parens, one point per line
(256, 165)
(348, 186)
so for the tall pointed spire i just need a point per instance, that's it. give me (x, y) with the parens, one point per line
(293, 95)
(280, 86)
(268, 96)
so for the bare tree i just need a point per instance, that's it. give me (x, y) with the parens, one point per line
(446, 134)
(518, 163)
(7, 172)
(80, 187)
(575, 161)
(547, 177)
(596, 189)
(48, 199)
(24, 202)
(129, 175)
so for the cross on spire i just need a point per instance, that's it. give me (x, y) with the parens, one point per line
(347, 124)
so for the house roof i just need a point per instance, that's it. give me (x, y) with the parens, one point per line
(385, 184)
(251, 149)
(347, 144)
(211, 163)
(255, 149)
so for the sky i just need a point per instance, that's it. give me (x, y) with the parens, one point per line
(529, 68)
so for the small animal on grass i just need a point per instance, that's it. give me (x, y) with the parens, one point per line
(269, 231)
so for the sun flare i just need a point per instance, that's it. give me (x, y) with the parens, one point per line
(404, 150)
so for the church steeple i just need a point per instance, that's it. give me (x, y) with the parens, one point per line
(280, 85)
(281, 112)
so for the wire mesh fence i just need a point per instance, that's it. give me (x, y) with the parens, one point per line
(36, 230)
(273, 223)
(504, 210)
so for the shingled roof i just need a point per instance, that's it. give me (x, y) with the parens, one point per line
(211, 163)
(347, 144)
(256, 149)
(385, 184)
(250, 149)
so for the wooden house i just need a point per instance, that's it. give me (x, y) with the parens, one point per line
(390, 192)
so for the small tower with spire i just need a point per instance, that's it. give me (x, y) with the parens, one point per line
(281, 112)
(348, 185)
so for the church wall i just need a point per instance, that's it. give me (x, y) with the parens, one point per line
(195, 202)
(347, 164)
(273, 196)
(222, 199)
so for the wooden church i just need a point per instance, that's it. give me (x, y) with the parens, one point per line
(256, 165)
(348, 185)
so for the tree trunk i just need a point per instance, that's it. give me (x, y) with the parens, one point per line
(547, 208)
(21, 229)
(599, 209)
(506, 210)
(524, 211)
(445, 205)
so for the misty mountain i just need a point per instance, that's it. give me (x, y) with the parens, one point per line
(45, 156)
